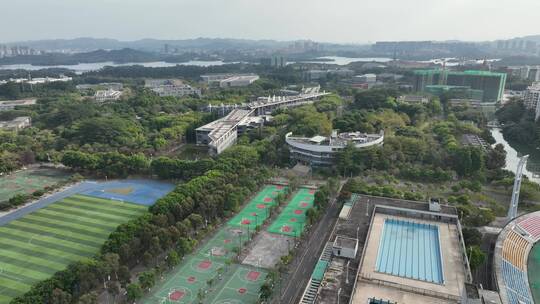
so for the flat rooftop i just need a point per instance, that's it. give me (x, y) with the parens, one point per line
(401, 289)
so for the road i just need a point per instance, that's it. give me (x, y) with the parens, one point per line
(307, 256)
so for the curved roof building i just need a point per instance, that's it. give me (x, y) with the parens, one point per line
(321, 150)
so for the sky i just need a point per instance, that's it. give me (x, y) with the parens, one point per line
(343, 21)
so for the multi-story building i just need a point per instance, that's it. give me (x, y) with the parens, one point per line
(322, 150)
(171, 87)
(483, 85)
(222, 133)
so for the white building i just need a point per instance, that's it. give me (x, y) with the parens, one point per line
(222, 133)
(229, 79)
(16, 124)
(107, 95)
(171, 87)
(238, 81)
(7, 105)
(321, 150)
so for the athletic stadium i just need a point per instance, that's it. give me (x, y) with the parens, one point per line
(517, 260)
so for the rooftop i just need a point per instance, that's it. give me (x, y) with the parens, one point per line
(221, 126)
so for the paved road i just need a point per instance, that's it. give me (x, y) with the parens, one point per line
(307, 256)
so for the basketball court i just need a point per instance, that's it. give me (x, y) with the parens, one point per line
(257, 210)
(292, 219)
(214, 262)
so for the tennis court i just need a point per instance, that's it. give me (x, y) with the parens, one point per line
(256, 211)
(142, 192)
(28, 181)
(292, 219)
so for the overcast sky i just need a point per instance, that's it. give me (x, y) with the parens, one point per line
(320, 20)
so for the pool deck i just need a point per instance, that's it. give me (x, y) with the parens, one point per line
(372, 283)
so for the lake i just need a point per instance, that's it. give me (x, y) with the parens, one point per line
(88, 67)
(338, 60)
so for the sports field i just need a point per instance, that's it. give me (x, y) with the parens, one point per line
(143, 192)
(292, 219)
(34, 247)
(215, 262)
(533, 268)
(28, 181)
(256, 211)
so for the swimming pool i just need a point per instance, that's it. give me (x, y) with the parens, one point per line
(410, 250)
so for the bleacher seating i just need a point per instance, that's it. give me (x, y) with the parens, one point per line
(514, 250)
(531, 225)
(516, 284)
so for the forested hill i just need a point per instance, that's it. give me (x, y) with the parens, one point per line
(117, 56)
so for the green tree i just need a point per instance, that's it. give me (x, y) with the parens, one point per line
(476, 256)
(134, 292)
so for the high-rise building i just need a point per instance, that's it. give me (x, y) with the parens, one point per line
(483, 85)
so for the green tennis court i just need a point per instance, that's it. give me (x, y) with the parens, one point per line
(292, 219)
(28, 181)
(256, 211)
(41, 243)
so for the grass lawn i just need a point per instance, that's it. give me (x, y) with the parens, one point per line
(39, 244)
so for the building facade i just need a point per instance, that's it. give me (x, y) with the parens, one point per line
(486, 86)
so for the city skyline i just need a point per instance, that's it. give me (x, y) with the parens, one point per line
(283, 20)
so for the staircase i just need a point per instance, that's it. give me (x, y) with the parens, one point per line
(310, 294)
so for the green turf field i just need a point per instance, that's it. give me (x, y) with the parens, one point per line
(39, 244)
(28, 181)
(533, 268)
(215, 261)
(292, 219)
(256, 211)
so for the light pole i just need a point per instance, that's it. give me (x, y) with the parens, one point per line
(338, 294)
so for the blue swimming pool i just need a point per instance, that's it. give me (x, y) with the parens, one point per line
(410, 250)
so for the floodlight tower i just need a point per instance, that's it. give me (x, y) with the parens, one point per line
(512, 210)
